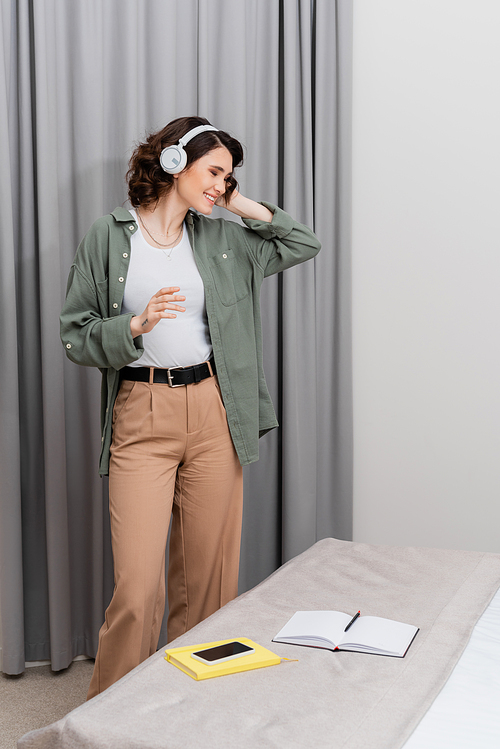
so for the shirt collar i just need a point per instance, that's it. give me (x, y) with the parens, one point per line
(121, 215)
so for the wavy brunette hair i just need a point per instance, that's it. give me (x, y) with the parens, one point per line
(148, 182)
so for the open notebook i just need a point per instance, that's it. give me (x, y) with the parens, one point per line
(368, 634)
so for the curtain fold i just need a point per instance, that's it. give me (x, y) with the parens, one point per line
(332, 74)
(80, 82)
(299, 386)
(11, 561)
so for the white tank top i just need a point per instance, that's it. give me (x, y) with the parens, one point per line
(178, 342)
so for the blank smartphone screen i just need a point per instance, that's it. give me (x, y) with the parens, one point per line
(223, 651)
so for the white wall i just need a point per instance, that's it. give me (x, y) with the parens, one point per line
(426, 273)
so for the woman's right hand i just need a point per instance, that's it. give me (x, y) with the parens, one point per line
(156, 310)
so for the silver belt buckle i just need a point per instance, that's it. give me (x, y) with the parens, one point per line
(169, 376)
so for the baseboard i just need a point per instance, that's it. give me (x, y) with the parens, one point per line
(32, 664)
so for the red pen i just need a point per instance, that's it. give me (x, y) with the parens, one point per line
(352, 620)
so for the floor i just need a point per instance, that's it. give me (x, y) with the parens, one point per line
(39, 697)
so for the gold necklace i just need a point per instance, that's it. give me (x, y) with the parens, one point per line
(167, 246)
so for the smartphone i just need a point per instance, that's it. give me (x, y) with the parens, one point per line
(221, 653)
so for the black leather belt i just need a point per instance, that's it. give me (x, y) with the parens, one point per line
(174, 376)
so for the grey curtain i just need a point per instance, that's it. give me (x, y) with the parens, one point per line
(80, 82)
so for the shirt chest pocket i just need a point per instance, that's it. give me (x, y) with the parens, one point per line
(231, 284)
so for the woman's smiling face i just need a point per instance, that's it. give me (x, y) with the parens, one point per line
(202, 183)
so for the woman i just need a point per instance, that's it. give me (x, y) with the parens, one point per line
(165, 301)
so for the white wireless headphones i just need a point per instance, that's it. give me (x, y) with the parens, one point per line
(173, 159)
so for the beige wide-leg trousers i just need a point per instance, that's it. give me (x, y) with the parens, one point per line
(172, 455)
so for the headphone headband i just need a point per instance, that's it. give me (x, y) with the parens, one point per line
(194, 132)
(173, 159)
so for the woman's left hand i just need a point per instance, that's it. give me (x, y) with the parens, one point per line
(221, 200)
(245, 207)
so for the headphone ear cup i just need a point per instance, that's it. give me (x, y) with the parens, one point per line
(173, 159)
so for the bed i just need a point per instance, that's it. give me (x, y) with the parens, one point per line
(324, 699)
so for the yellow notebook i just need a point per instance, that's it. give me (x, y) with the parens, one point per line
(181, 657)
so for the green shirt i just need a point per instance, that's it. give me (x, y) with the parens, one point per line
(233, 261)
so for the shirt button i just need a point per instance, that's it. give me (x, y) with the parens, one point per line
(125, 254)
(131, 227)
(121, 279)
(115, 306)
(224, 256)
(68, 345)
